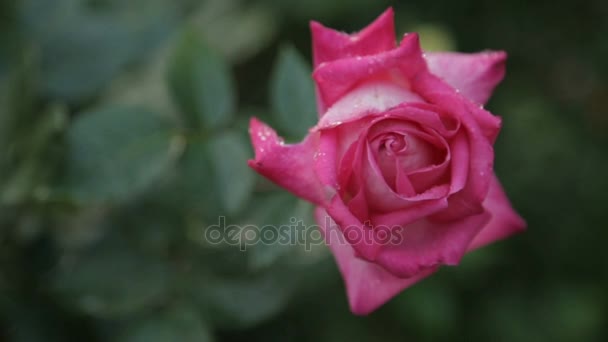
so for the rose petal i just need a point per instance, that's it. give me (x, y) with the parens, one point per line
(357, 233)
(437, 91)
(287, 165)
(403, 184)
(372, 97)
(426, 244)
(326, 159)
(480, 152)
(329, 44)
(403, 217)
(382, 198)
(504, 222)
(475, 75)
(368, 285)
(354, 174)
(334, 79)
(459, 150)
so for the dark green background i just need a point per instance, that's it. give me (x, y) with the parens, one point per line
(123, 135)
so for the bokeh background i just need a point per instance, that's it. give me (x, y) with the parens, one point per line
(123, 136)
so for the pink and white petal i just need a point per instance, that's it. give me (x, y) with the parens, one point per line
(329, 44)
(368, 286)
(475, 75)
(287, 165)
(426, 243)
(504, 222)
(335, 79)
(373, 97)
(426, 115)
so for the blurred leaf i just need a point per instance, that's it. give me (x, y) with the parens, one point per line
(191, 187)
(283, 224)
(236, 31)
(177, 324)
(38, 159)
(233, 180)
(111, 279)
(241, 303)
(434, 37)
(17, 100)
(116, 152)
(292, 94)
(201, 84)
(351, 10)
(82, 50)
(212, 178)
(17, 112)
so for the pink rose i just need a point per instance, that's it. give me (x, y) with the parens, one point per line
(403, 148)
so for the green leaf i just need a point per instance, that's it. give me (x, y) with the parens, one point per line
(237, 32)
(111, 280)
(80, 51)
(212, 177)
(200, 84)
(117, 152)
(292, 93)
(233, 180)
(244, 302)
(39, 155)
(283, 224)
(177, 324)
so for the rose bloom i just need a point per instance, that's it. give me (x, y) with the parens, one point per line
(400, 163)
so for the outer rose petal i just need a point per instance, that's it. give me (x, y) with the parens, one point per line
(290, 166)
(475, 75)
(368, 285)
(335, 79)
(329, 45)
(504, 222)
(425, 244)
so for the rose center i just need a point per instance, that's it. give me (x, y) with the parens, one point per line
(397, 154)
(393, 144)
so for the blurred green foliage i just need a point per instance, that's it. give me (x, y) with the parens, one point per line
(123, 138)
